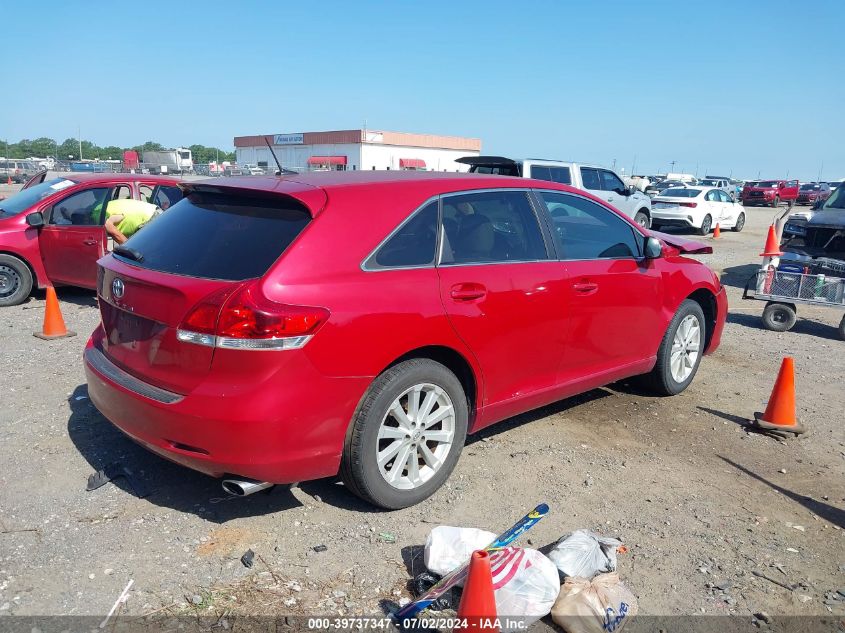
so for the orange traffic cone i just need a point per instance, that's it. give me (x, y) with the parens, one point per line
(717, 232)
(772, 248)
(478, 602)
(54, 324)
(779, 417)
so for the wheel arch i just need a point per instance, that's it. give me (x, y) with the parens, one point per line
(455, 362)
(707, 300)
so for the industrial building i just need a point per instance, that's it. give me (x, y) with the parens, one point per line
(356, 149)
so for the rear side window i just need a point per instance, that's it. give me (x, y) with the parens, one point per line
(216, 236)
(413, 244)
(552, 174)
(493, 226)
(590, 178)
(166, 197)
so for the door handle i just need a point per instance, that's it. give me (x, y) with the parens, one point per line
(468, 292)
(585, 287)
(90, 241)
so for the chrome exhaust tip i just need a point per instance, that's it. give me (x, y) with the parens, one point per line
(244, 487)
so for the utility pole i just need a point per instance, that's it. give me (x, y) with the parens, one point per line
(634, 165)
(614, 165)
(672, 166)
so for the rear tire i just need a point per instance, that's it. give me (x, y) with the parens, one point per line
(376, 429)
(662, 379)
(779, 317)
(706, 225)
(842, 328)
(15, 280)
(739, 224)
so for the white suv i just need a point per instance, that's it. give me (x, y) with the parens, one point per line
(599, 181)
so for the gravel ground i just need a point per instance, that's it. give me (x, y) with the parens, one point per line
(702, 504)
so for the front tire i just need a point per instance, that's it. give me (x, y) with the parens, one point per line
(641, 218)
(739, 224)
(679, 354)
(775, 203)
(406, 436)
(15, 280)
(706, 225)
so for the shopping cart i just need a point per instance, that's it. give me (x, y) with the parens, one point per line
(783, 290)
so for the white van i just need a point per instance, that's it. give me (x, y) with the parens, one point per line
(601, 182)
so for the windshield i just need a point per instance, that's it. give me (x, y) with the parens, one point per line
(836, 200)
(810, 187)
(25, 198)
(681, 193)
(767, 183)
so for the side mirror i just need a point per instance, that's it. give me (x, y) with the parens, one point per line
(652, 248)
(632, 189)
(35, 220)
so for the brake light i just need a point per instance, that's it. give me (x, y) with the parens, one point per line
(244, 319)
(692, 205)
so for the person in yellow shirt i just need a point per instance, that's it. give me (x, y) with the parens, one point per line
(125, 217)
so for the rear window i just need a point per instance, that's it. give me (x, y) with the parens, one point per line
(215, 236)
(681, 193)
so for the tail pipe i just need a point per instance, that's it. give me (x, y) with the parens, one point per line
(244, 487)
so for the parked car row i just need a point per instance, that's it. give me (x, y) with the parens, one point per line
(18, 171)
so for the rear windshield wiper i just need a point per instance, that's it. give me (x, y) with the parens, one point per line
(128, 253)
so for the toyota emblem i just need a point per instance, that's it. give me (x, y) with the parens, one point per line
(117, 288)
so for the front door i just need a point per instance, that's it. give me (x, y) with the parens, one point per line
(615, 192)
(74, 238)
(613, 293)
(502, 292)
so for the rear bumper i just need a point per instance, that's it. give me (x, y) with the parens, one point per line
(288, 430)
(671, 217)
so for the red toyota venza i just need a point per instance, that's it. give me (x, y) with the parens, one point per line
(276, 330)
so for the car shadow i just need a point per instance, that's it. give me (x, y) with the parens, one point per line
(537, 414)
(164, 483)
(825, 511)
(802, 326)
(81, 297)
(738, 276)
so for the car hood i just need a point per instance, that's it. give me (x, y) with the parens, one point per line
(682, 244)
(828, 219)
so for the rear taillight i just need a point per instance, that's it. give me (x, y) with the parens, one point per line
(691, 205)
(245, 319)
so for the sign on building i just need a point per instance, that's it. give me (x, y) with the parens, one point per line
(288, 139)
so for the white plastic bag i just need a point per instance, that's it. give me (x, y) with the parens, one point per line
(585, 554)
(601, 605)
(525, 584)
(448, 547)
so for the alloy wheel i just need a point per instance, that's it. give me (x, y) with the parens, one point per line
(415, 436)
(685, 348)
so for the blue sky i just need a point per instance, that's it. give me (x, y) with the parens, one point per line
(728, 87)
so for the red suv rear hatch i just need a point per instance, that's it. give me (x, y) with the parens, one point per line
(203, 250)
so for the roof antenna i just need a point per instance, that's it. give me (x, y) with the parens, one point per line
(281, 171)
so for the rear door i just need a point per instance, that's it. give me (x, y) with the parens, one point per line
(74, 237)
(502, 291)
(613, 294)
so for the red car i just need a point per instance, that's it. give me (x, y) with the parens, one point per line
(52, 231)
(770, 193)
(275, 330)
